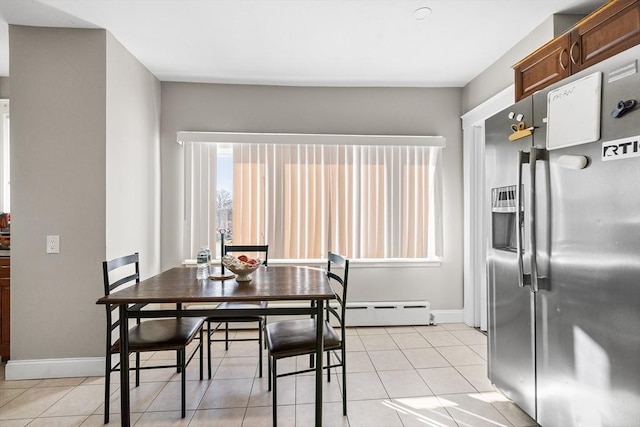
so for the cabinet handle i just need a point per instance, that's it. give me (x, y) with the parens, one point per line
(564, 67)
(571, 52)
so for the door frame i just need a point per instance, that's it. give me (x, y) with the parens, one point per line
(475, 207)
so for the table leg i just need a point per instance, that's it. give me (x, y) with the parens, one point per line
(319, 347)
(125, 416)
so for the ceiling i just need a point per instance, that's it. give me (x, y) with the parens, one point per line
(301, 42)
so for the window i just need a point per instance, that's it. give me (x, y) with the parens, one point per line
(364, 201)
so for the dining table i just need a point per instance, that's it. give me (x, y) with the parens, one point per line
(172, 289)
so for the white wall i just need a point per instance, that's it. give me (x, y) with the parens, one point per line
(132, 159)
(209, 107)
(83, 112)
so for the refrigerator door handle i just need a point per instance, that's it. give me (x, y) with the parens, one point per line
(533, 157)
(537, 282)
(523, 279)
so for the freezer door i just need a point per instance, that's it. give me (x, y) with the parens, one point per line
(588, 336)
(511, 351)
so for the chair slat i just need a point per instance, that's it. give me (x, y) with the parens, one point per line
(152, 335)
(298, 337)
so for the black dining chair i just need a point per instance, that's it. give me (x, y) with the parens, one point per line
(220, 318)
(173, 334)
(290, 338)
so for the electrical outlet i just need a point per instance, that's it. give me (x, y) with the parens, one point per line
(53, 244)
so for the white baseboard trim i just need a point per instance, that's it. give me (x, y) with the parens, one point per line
(54, 368)
(448, 316)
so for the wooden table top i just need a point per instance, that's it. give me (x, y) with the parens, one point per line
(273, 283)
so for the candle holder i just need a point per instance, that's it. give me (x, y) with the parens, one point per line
(223, 232)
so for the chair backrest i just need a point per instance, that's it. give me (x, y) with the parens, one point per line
(130, 274)
(117, 273)
(340, 281)
(258, 249)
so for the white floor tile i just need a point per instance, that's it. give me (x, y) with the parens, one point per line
(423, 411)
(81, 400)
(331, 415)
(354, 343)
(365, 385)
(470, 336)
(371, 330)
(460, 355)
(407, 383)
(425, 358)
(389, 360)
(396, 376)
(480, 350)
(445, 381)
(359, 362)
(68, 421)
(232, 417)
(164, 419)
(170, 398)
(392, 330)
(455, 326)
(477, 376)
(8, 394)
(16, 423)
(33, 402)
(378, 342)
(410, 340)
(227, 393)
(368, 413)
(471, 409)
(440, 339)
(262, 416)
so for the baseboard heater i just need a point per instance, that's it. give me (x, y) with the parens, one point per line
(380, 313)
(388, 313)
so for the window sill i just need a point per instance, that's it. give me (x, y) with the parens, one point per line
(355, 263)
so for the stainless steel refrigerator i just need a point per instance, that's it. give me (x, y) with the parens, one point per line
(563, 256)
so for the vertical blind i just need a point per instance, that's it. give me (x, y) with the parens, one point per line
(363, 201)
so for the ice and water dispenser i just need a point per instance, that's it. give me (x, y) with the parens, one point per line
(503, 218)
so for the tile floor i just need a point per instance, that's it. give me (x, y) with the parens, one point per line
(397, 376)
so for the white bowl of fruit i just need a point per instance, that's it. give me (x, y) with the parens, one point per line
(242, 266)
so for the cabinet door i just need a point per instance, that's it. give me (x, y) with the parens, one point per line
(611, 29)
(5, 281)
(4, 319)
(545, 66)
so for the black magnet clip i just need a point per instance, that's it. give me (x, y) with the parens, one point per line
(623, 108)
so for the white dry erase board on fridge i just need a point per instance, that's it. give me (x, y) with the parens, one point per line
(573, 112)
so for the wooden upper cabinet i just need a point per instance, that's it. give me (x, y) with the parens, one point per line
(612, 29)
(609, 30)
(547, 65)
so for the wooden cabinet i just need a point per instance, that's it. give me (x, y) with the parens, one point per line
(547, 65)
(609, 30)
(5, 278)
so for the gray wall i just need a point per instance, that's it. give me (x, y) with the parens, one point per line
(132, 159)
(80, 107)
(4, 87)
(500, 75)
(209, 107)
(58, 187)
